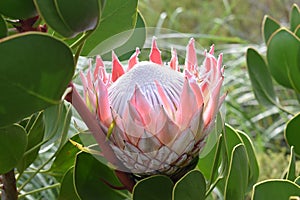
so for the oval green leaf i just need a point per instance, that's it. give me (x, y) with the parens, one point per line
(260, 78)
(237, 179)
(18, 9)
(91, 178)
(269, 26)
(65, 158)
(275, 189)
(284, 58)
(292, 131)
(137, 39)
(34, 73)
(252, 161)
(49, 13)
(3, 28)
(35, 137)
(294, 17)
(79, 15)
(153, 188)
(191, 186)
(67, 189)
(13, 142)
(118, 17)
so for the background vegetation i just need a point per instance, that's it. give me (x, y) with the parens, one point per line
(234, 25)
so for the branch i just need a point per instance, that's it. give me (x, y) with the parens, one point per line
(9, 188)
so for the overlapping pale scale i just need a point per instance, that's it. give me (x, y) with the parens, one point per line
(161, 116)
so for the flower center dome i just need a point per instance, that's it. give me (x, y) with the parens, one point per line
(145, 76)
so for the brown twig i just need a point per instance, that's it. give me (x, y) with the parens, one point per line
(9, 188)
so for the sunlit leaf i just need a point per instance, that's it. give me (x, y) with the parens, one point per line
(275, 189)
(191, 186)
(34, 73)
(283, 58)
(292, 131)
(137, 39)
(260, 78)
(13, 142)
(269, 26)
(237, 179)
(18, 9)
(92, 178)
(118, 17)
(153, 188)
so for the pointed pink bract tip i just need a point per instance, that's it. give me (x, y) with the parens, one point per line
(133, 60)
(117, 68)
(155, 55)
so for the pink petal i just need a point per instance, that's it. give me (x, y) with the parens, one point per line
(103, 108)
(139, 101)
(167, 104)
(155, 53)
(191, 57)
(117, 68)
(197, 92)
(187, 106)
(174, 60)
(133, 60)
(167, 131)
(213, 102)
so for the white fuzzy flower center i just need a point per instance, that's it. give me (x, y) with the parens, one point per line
(144, 75)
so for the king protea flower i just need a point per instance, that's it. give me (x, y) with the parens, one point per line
(155, 117)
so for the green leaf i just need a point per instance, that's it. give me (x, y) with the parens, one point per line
(284, 58)
(252, 161)
(137, 39)
(260, 78)
(153, 188)
(297, 31)
(237, 179)
(191, 186)
(269, 26)
(118, 17)
(297, 181)
(3, 28)
(65, 158)
(46, 66)
(13, 142)
(291, 133)
(67, 189)
(231, 138)
(291, 173)
(294, 17)
(50, 15)
(91, 178)
(35, 137)
(18, 9)
(79, 15)
(275, 189)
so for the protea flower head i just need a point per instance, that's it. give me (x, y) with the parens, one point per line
(155, 117)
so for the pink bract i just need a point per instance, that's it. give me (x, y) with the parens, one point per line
(156, 117)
